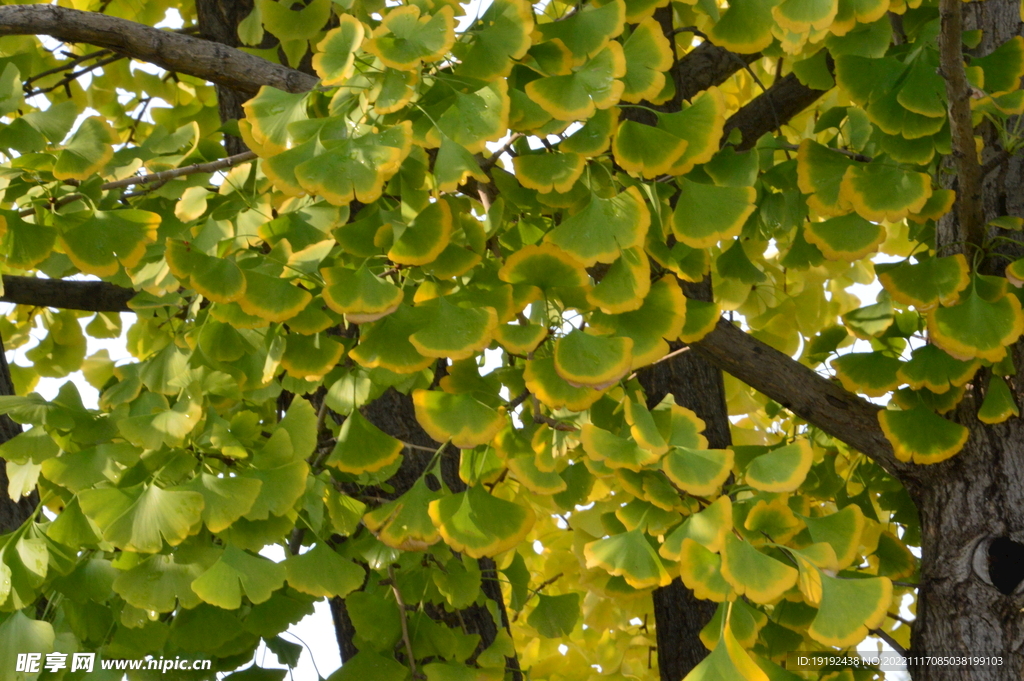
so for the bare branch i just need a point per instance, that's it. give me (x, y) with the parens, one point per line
(173, 51)
(771, 109)
(66, 294)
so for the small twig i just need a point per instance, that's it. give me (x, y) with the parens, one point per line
(27, 85)
(519, 399)
(496, 156)
(898, 618)
(71, 77)
(893, 643)
(909, 584)
(405, 621)
(845, 152)
(538, 417)
(661, 359)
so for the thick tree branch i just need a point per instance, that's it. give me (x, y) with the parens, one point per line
(66, 294)
(771, 109)
(173, 51)
(813, 398)
(705, 66)
(970, 209)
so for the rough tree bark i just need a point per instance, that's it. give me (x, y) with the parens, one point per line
(12, 514)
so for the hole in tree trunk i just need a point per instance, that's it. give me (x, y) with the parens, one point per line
(1006, 564)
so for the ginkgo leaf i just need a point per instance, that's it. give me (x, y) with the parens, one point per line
(977, 328)
(870, 373)
(701, 571)
(999, 404)
(555, 616)
(225, 500)
(615, 451)
(525, 470)
(404, 38)
(141, 518)
(603, 228)
(321, 572)
(922, 435)
(643, 428)
(272, 298)
(335, 58)
(940, 203)
(883, 191)
(480, 524)
(455, 332)
(386, 343)
(424, 239)
(847, 237)
(646, 150)
(700, 472)
(159, 583)
(679, 426)
(595, 135)
(470, 119)
(501, 36)
(545, 266)
(931, 368)
(708, 528)
(552, 390)
(358, 294)
(701, 125)
(745, 27)
(587, 361)
(659, 318)
(753, 574)
(849, 609)
(459, 418)
(88, 150)
(590, 87)
(548, 172)
(520, 339)
(270, 114)
(842, 531)
(782, 469)
(24, 245)
(362, 447)
(701, 319)
(237, 573)
(648, 56)
(587, 32)
(895, 560)
(929, 283)
(820, 173)
(405, 523)
(310, 357)
(108, 240)
(218, 279)
(774, 519)
(628, 555)
(801, 16)
(706, 214)
(728, 660)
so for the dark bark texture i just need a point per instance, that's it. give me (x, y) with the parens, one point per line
(12, 514)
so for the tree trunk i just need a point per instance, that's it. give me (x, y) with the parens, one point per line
(12, 514)
(971, 507)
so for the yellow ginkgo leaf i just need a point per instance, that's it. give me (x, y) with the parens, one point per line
(459, 418)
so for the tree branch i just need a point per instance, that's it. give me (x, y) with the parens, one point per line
(66, 294)
(771, 109)
(210, 61)
(813, 398)
(970, 210)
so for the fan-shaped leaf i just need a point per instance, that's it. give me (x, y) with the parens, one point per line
(759, 577)
(603, 228)
(143, 517)
(589, 88)
(999, 404)
(335, 58)
(701, 571)
(455, 332)
(660, 317)
(706, 214)
(922, 435)
(404, 38)
(628, 555)
(552, 390)
(362, 447)
(322, 572)
(587, 361)
(782, 469)
(842, 531)
(480, 524)
(928, 283)
(423, 240)
(931, 368)
(648, 56)
(977, 328)
(615, 451)
(237, 573)
(849, 609)
(847, 237)
(708, 528)
(108, 240)
(459, 418)
(404, 523)
(883, 191)
(698, 471)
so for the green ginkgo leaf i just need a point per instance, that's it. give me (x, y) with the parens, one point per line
(870, 373)
(895, 560)
(701, 125)
(160, 583)
(820, 173)
(424, 239)
(679, 426)
(550, 172)
(603, 228)
(745, 27)
(701, 571)
(546, 266)
(362, 447)
(706, 214)
(525, 470)
(86, 152)
(870, 321)
(977, 328)
(270, 113)
(272, 298)
(628, 555)
(454, 165)
(552, 390)
(501, 36)
(842, 531)
(850, 608)
(470, 119)
(591, 87)
(753, 574)
(884, 191)
(927, 284)
(479, 524)
(358, 294)
(648, 56)
(802, 16)
(587, 32)
(520, 339)
(237, 573)
(310, 357)
(847, 237)
(405, 523)
(218, 279)
(701, 319)
(404, 38)
(729, 660)
(658, 319)
(334, 61)
(644, 428)
(587, 361)
(24, 245)
(1003, 66)
(595, 135)
(931, 368)
(922, 435)
(782, 469)
(708, 528)
(386, 343)
(555, 616)
(999, 403)
(143, 517)
(108, 240)
(774, 519)
(321, 572)
(459, 418)
(455, 332)
(615, 451)
(646, 150)
(225, 500)
(700, 472)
